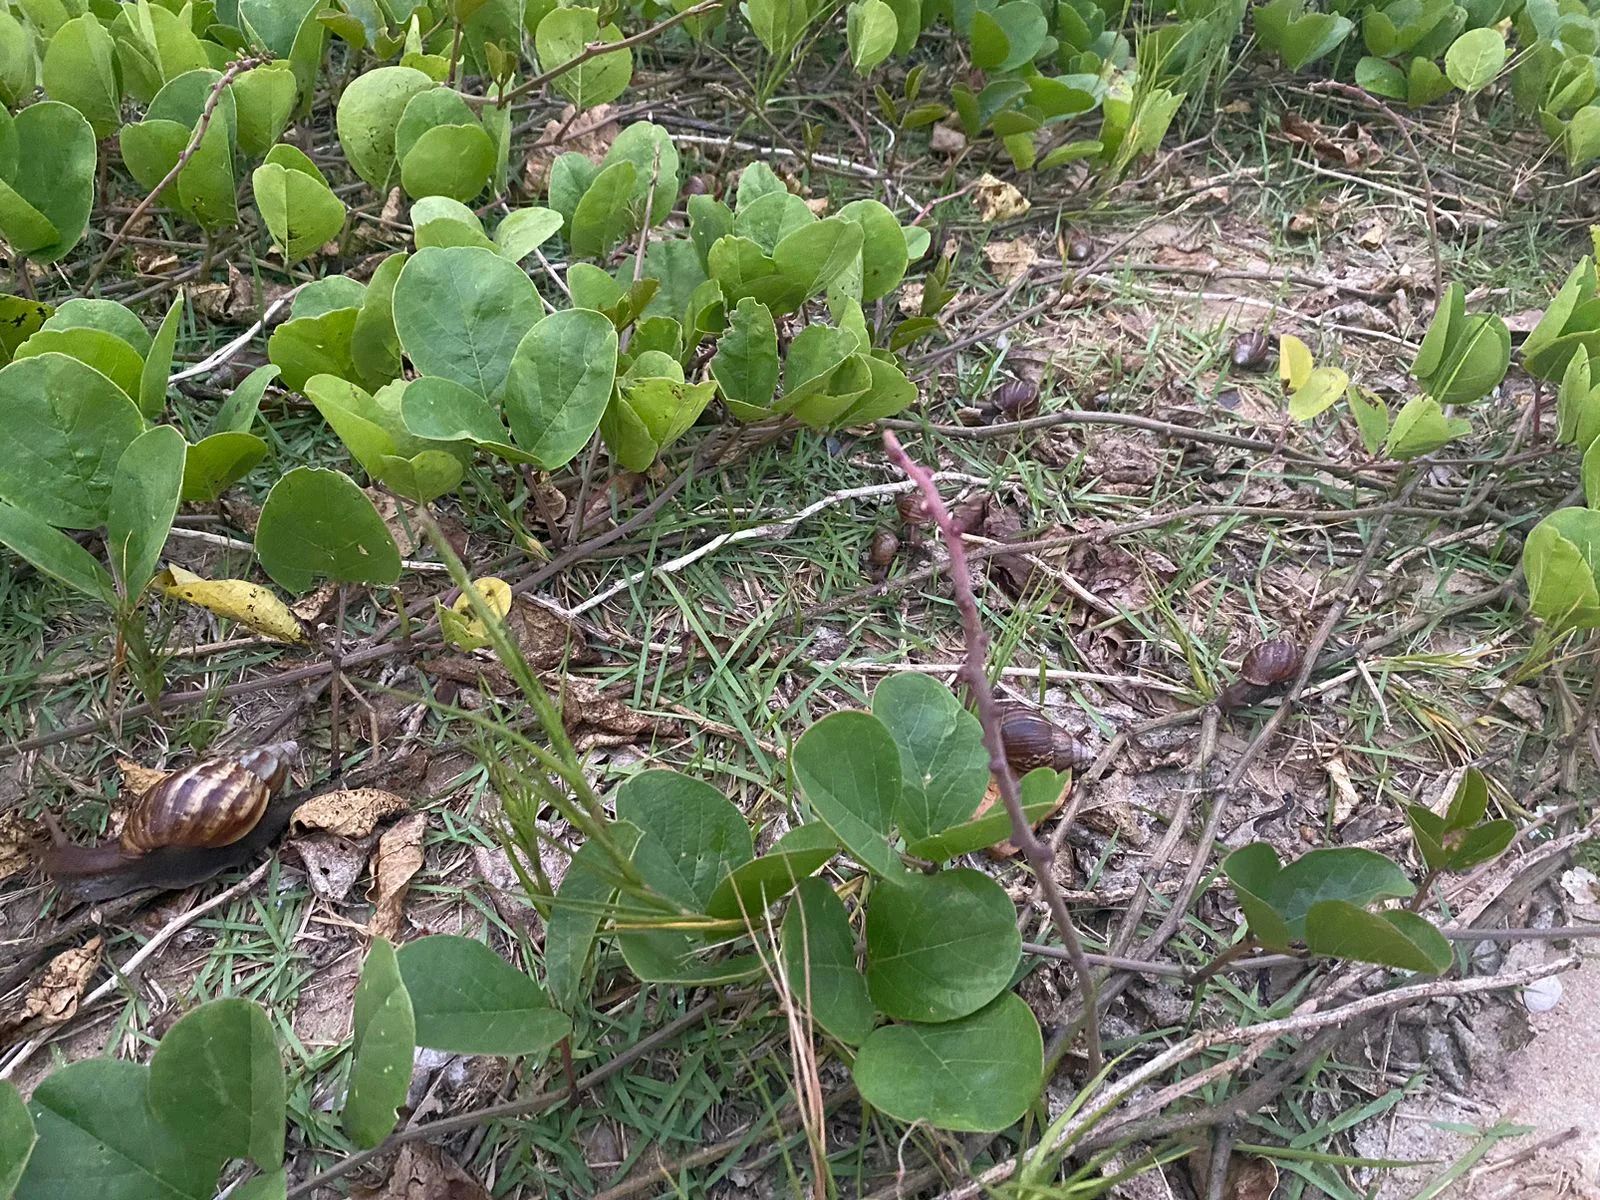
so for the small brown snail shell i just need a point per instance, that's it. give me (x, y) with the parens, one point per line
(180, 827)
(1250, 350)
(1276, 661)
(1032, 742)
(1016, 400)
(696, 185)
(885, 545)
(1079, 248)
(913, 509)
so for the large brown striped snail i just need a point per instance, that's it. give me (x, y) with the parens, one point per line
(187, 827)
(1031, 742)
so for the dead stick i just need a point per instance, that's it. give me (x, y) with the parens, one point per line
(1039, 855)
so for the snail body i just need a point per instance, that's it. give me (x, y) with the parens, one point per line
(188, 826)
(1032, 742)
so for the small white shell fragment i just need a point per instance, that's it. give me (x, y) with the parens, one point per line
(1542, 995)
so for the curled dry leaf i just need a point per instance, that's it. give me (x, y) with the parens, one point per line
(55, 997)
(460, 622)
(332, 864)
(1345, 797)
(998, 200)
(398, 858)
(231, 303)
(425, 1173)
(1349, 146)
(138, 779)
(316, 607)
(590, 135)
(1010, 260)
(547, 638)
(250, 604)
(352, 812)
(595, 718)
(16, 845)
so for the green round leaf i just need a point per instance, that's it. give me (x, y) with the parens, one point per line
(54, 553)
(562, 36)
(100, 1140)
(1559, 561)
(449, 160)
(299, 209)
(461, 313)
(385, 1043)
(1392, 939)
(524, 231)
(216, 1081)
(80, 313)
(105, 352)
(58, 187)
(469, 1000)
(819, 958)
(752, 888)
(16, 1137)
(940, 946)
(80, 69)
(849, 771)
(944, 765)
(264, 99)
(884, 254)
(316, 524)
(871, 30)
(216, 463)
(1475, 58)
(692, 835)
(369, 111)
(978, 1074)
(560, 383)
(66, 426)
(144, 499)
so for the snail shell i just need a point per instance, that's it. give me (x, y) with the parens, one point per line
(212, 803)
(913, 509)
(1277, 661)
(1016, 400)
(1250, 350)
(885, 545)
(1032, 742)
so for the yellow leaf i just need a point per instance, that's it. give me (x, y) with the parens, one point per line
(1294, 361)
(464, 629)
(250, 604)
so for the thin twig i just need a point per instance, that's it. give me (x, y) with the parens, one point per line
(1039, 855)
(235, 69)
(595, 50)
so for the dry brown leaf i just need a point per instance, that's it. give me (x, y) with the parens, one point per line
(1345, 797)
(594, 718)
(998, 200)
(332, 864)
(231, 303)
(55, 997)
(590, 135)
(16, 845)
(1010, 260)
(148, 260)
(425, 1173)
(351, 812)
(1349, 146)
(138, 779)
(398, 858)
(946, 139)
(547, 638)
(1371, 235)
(316, 607)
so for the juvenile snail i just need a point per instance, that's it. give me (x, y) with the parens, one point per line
(1266, 666)
(885, 545)
(1032, 742)
(1016, 400)
(190, 825)
(1250, 350)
